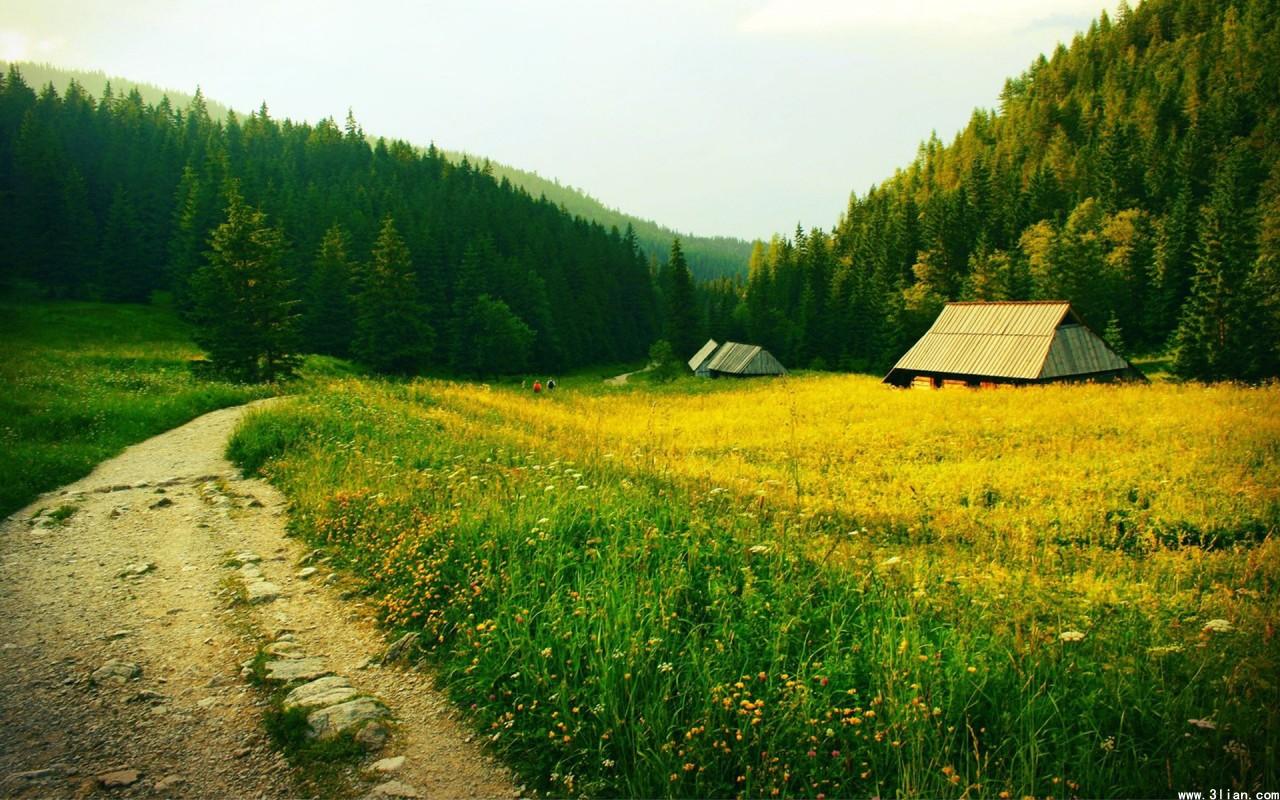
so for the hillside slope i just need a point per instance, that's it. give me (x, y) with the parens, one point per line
(709, 256)
(1135, 172)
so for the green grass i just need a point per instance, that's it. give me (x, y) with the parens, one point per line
(649, 636)
(84, 380)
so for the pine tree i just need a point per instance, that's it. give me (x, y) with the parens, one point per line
(243, 303)
(392, 334)
(1113, 335)
(123, 272)
(328, 325)
(681, 304)
(1216, 337)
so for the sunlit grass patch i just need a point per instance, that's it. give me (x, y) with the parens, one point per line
(819, 585)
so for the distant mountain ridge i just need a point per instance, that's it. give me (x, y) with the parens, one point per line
(708, 256)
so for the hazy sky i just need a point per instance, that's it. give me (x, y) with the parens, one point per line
(738, 117)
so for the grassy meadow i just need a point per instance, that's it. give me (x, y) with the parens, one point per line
(83, 380)
(818, 586)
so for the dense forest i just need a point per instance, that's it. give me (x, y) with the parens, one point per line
(115, 198)
(1135, 173)
(709, 257)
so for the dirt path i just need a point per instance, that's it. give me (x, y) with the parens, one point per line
(621, 380)
(138, 574)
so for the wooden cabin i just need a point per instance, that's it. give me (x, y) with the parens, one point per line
(702, 358)
(1013, 342)
(733, 359)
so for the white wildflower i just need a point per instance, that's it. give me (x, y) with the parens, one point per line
(1071, 636)
(1217, 626)
(665, 666)
(758, 548)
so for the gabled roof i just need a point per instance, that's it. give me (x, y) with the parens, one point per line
(744, 359)
(1029, 340)
(703, 354)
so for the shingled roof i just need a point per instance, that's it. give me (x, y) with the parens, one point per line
(1011, 342)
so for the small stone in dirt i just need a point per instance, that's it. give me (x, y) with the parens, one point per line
(134, 570)
(52, 771)
(296, 669)
(118, 511)
(163, 502)
(207, 702)
(147, 696)
(246, 557)
(243, 751)
(284, 650)
(120, 634)
(307, 572)
(331, 579)
(310, 557)
(394, 789)
(168, 782)
(328, 723)
(116, 670)
(373, 737)
(255, 503)
(387, 765)
(404, 646)
(262, 591)
(285, 635)
(118, 778)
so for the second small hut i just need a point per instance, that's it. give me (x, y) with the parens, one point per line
(733, 359)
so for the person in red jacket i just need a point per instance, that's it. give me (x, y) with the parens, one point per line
(537, 387)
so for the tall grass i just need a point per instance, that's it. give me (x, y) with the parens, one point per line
(819, 587)
(83, 380)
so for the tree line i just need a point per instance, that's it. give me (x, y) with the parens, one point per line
(1134, 173)
(383, 251)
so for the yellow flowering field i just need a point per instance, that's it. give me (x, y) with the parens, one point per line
(819, 586)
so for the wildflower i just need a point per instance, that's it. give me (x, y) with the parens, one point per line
(971, 669)
(665, 666)
(758, 549)
(889, 562)
(1071, 636)
(1217, 626)
(546, 652)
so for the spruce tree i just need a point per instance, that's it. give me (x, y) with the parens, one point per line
(1217, 336)
(328, 325)
(243, 303)
(681, 304)
(392, 334)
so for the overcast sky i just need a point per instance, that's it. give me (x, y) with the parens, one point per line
(735, 117)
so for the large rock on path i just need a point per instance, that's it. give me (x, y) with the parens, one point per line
(296, 669)
(321, 692)
(328, 723)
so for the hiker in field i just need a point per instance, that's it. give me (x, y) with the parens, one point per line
(537, 387)
(551, 384)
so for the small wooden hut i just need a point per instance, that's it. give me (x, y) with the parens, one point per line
(1022, 342)
(733, 359)
(702, 358)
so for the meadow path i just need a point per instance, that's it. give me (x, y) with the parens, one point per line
(122, 649)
